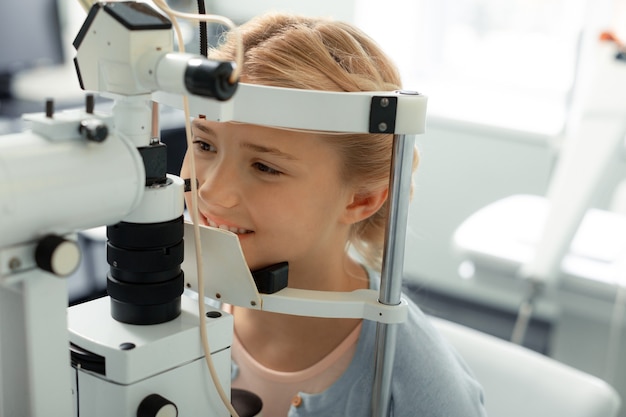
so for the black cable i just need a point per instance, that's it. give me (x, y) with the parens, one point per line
(203, 30)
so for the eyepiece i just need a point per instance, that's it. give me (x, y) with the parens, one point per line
(210, 78)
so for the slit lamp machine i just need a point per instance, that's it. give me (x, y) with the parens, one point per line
(138, 350)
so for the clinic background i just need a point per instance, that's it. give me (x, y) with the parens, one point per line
(504, 80)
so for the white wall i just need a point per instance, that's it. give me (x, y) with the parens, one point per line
(242, 10)
(463, 168)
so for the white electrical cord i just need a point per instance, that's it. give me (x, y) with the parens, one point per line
(86, 4)
(194, 188)
(209, 18)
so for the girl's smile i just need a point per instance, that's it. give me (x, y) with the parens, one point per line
(221, 224)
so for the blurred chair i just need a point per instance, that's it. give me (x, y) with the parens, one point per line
(519, 382)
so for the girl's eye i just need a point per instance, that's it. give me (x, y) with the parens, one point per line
(204, 146)
(265, 169)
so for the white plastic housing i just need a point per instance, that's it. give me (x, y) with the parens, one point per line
(160, 203)
(165, 72)
(305, 109)
(166, 359)
(109, 54)
(60, 186)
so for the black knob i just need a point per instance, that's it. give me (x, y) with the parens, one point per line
(156, 406)
(246, 403)
(209, 78)
(57, 255)
(94, 130)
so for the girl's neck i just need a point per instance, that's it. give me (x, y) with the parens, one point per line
(341, 274)
(289, 343)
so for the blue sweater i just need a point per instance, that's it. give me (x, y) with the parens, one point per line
(429, 378)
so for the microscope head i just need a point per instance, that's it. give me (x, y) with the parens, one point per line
(126, 48)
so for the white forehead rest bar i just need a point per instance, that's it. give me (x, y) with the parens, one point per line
(398, 112)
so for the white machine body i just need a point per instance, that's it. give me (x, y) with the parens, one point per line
(109, 54)
(50, 177)
(139, 361)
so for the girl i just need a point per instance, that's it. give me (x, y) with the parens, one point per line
(306, 198)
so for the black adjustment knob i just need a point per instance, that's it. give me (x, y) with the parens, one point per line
(57, 255)
(156, 406)
(94, 130)
(246, 403)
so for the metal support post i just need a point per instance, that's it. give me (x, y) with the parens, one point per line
(393, 262)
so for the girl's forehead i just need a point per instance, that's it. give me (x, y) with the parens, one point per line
(253, 132)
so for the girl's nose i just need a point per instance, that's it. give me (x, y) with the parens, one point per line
(218, 185)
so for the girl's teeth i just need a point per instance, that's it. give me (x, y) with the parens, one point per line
(235, 230)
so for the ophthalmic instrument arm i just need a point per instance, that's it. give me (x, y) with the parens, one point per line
(81, 169)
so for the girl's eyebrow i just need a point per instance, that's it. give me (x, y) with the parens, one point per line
(197, 125)
(269, 150)
(202, 128)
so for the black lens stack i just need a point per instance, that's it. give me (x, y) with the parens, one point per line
(145, 279)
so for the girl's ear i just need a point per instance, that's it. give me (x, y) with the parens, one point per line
(363, 205)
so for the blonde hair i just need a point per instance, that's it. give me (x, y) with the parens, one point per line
(284, 50)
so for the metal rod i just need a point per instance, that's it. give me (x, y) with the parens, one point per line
(392, 269)
(154, 126)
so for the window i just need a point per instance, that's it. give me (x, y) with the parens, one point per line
(507, 63)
